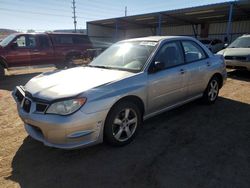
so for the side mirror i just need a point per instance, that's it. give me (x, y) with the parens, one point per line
(156, 66)
(225, 45)
(13, 45)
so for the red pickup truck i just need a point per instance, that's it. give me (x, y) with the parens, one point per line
(24, 49)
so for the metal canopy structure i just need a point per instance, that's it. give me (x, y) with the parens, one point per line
(213, 13)
(193, 15)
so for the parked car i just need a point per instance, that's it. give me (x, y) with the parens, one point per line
(214, 45)
(108, 99)
(22, 49)
(237, 54)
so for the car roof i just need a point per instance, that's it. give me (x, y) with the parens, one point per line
(158, 38)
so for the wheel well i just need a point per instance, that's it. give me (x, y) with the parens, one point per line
(220, 78)
(72, 54)
(133, 99)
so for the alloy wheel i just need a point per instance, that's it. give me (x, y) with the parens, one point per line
(213, 90)
(125, 124)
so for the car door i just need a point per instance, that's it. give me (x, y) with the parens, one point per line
(42, 52)
(167, 86)
(197, 65)
(18, 53)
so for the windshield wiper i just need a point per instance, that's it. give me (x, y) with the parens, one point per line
(99, 66)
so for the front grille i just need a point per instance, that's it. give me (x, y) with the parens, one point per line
(41, 107)
(26, 105)
(19, 96)
(28, 94)
(240, 58)
(25, 99)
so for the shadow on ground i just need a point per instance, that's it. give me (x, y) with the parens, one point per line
(10, 82)
(192, 146)
(239, 75)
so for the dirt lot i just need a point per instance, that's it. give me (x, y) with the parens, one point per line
(193, 146)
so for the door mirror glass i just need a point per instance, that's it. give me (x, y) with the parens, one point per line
(13, 45)
(156, 66)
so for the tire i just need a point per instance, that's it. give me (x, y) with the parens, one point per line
(2, 73)
(68, 63)
(122, 123)
(212, 91)
(60, 65)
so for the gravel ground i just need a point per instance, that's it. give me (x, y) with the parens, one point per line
(192, 146)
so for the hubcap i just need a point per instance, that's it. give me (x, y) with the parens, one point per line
(125, 124)
(213, 90)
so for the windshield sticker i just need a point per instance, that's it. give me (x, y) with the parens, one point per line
(148, 43)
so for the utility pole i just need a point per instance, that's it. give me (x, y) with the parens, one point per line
(126, 11)
(74, 13)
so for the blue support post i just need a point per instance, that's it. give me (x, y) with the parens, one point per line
(229, 23)
(159, 25)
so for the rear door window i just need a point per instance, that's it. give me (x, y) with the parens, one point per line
(193, 52)
(44, 41)
(63, 39)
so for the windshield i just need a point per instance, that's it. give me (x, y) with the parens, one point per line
(242, 42)
(7, 40)
(130, 56)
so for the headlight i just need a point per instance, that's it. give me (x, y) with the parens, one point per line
(66, 107)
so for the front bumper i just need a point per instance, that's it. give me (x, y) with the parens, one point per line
(235, 64)
(66, 132)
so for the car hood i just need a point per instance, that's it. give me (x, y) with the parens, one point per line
(236, 52)
(68, 83)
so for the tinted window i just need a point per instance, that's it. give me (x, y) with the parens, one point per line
(170, 54)
(31, 41)
(205, 41)
(193, 52)
(44, 41)
(63, 39)
(80, 40)
(216, 41)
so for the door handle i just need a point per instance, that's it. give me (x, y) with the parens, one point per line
(208, 64)
(182, 71)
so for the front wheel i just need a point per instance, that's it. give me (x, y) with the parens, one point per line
(122, 123)
(212, 91)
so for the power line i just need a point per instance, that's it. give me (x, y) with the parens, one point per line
(31, 12)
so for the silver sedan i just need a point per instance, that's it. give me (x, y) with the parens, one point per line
(108, 100)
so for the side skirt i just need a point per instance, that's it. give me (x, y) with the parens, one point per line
(171, 107)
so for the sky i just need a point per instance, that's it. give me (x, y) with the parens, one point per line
(48, 15)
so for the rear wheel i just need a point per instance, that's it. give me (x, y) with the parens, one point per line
(212, 91)
(122, 123)
(68, 63)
